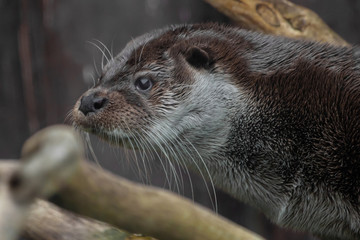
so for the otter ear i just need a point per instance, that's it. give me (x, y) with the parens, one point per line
(197, 57)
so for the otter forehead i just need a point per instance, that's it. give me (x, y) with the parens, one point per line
(153, 46)
(141, 51)
(120, 62)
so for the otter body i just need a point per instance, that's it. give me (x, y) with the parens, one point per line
(275, 120)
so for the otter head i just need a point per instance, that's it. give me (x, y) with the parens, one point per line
(162, 88)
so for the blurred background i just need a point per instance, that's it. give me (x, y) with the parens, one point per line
(47, 62)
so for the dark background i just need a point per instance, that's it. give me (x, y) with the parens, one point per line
(46, 63)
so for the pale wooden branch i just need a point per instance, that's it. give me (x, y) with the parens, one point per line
(148, 210)
(43, 220)
(12, 213)
(99, 194)
(50, 159)
(36, 176)
(48, 222)
(20, 185)
(278, 17)
(96, 193)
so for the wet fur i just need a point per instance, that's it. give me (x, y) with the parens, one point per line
(275, 120)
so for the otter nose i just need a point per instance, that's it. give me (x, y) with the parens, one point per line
(92, 103)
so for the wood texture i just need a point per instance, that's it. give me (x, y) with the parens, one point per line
(278, 17)
(53, 158)
(41, 220)
(152, 211)
(46, 221)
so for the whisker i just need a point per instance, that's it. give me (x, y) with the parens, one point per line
(146, 145)
(172, 167)
(142, 49)
(133, 40)
(96, 68)
(139, 147)
(106, 49)
(133, 151)
(180, 159)
(168, 143)
(112, 49)
(90, 148)
(172, 152)
(143, 142)
(69, 117)
(213, 202)
(103, 54)
(185, 150)
(149, 136)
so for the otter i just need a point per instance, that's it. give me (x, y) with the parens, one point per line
(275, 120)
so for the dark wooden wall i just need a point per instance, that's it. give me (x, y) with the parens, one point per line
(46, 63)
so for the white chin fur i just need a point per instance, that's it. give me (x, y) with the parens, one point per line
(116, 133)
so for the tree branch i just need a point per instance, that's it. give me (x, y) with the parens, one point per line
(152, 211)
(53, 158)
(46, 221)
(278, 17)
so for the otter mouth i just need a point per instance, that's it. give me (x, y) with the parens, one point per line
(123, 141)
(89, 123)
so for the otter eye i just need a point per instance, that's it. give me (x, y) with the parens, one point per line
(143, 84)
